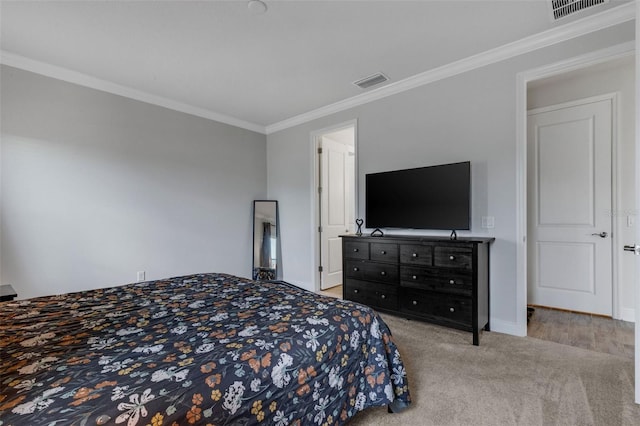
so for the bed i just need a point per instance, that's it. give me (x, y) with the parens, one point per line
(198, 349)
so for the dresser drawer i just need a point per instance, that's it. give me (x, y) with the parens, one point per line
(356, 250)
(355, 268)
(416, 254)
(436, 280)
(453, 257)
(383, 272)
(457, 309)
(363, 270)
(384, 252)
(371, 294)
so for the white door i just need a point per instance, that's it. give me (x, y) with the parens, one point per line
(337, 168)
(569, 222)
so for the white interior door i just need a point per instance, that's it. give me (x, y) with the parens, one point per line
(569, 187)
(337, 207)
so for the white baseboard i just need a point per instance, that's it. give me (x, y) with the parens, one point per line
(507, 327)
(628, 314)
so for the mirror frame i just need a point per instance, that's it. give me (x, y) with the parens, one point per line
(260, 272)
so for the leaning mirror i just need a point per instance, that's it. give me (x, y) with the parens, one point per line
(265, 240)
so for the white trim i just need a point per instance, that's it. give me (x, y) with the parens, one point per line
(522, 79)
(64, 74)
(507, 327)
(616, 199)
(637, 241)
(521, 204)
(316, 139)
(628, 315)
(575, 103)
(608, 18)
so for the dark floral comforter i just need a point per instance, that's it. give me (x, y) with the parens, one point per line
(200, 349)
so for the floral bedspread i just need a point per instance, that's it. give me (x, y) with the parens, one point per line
(199, 349)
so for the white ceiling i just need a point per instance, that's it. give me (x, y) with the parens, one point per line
(216, 56)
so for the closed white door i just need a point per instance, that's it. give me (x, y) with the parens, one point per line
(336, 207)
(569, 199)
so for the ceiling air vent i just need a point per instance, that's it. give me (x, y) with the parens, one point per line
(562, 8)
(372, 80)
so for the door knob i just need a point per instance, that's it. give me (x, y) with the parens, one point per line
(602, 234)
(634, 248)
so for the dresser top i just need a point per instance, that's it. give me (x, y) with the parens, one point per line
(7, 290)
(422, 238)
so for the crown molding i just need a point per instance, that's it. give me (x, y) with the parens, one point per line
(602, 20)
(596, 22)
(70, 76)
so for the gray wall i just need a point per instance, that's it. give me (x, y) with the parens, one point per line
(96, 187)
(466, 117)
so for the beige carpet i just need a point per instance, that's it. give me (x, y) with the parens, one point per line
(507, 380)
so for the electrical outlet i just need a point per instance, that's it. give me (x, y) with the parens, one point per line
(488, 222)
(630, 221)
(141, 275)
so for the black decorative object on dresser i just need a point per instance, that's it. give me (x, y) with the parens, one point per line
(433, 279)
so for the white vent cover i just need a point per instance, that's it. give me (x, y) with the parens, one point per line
(561, 8)
(372, 80)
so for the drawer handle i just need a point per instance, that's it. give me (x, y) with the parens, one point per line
(415, 302)
(355, 250)
(452, 257)
(452, 310)
(383, 273)
(383, 296)
(383, 252)
(452, 281)
(356, 291)
(356, 269)
(414, 255)
(415, 277)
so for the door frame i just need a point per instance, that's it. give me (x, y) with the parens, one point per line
(616, 311)
(637, 241)
(316, 140)
(522, 80)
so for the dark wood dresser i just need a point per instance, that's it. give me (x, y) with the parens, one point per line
(433, 279)
(7, 293)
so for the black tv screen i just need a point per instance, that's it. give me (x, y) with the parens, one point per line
(435, 197)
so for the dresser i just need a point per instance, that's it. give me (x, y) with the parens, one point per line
(7, 293)
(433, 279)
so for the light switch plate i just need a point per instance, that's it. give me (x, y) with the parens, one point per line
(488, 222)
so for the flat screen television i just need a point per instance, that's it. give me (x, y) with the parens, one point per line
(434, 197)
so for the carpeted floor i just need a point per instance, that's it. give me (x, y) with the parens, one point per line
(507, 380)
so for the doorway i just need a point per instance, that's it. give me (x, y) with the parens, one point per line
(335, 159)
(632, 176)
(581, 198)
